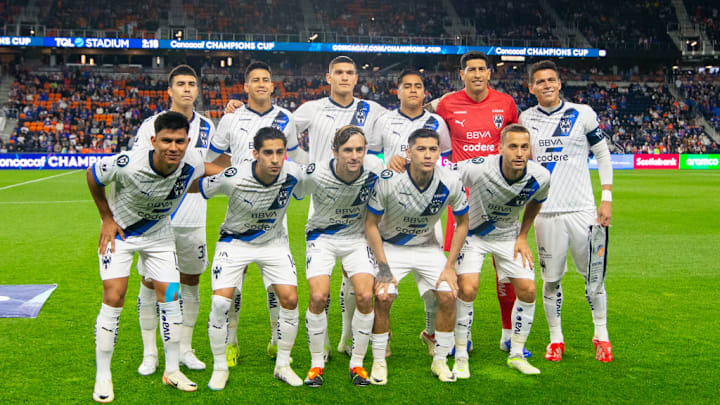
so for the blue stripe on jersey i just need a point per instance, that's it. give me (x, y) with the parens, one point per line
(432, 123)
(595, 136)
(399, 239)
(284, 193)
(216, 149)
(531, 186)
(203, 134)
(281, 120)
(549, 165)
(202, 192)
(172, 216)
(246, 236)
(374, 211)
(462, 211)
(482, 229)
(330, 230)
(361, 113)
(438, 200)
(366, 189)
(567, 122)
(556, 149)
(293, 148)
(182, 182)
(139, 227)
(99, 183)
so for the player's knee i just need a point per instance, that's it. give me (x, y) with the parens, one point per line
(114, 298)
(526, 294)
(363, 299)
(384, 301)
(467, 291)
(445, 300)
(289, 300)
(189, 279)
(318, 301)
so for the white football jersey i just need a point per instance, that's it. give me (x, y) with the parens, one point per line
(561, 142)
(140, 198)
(496, 204)
(394, 128)
(323, 117)
(192, 211)
(255, 210)
(338, 208)
(409, 214)
(236, 131)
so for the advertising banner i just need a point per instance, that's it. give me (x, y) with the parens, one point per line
(619, 162)
(41, 161)
(654, 162)
(700, 162)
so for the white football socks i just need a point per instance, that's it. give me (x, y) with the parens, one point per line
(218, 330)
(190, 304)
(316, 325)
(552, 302)
(170, 327)
(463, 323)
(523, 314)
(106, 330)
(288, 320)
(148, 317)
(361, 330)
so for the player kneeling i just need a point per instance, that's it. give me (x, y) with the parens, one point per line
(500, 186)
(402, 213)
(259, 192)
(147, 187)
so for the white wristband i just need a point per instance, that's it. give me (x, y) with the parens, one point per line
(606, 196)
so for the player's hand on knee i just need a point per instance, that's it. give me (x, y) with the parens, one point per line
(233, 105)
(384, 289)
(604, 213)
(522, 249)
(108, 230)
(448, 276)
(397, 164)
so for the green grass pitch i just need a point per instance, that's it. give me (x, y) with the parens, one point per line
(663, 267)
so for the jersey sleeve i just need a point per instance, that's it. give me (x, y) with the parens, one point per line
(445, 141)
(303, 116)
(542, 194)
(373, 164)
(378, 197)
(195, 158)
(142, 138)
(593, 132)
(458, 198)
(374, 133)
(220, 141)
(442, 110)
(291, 133)
(513, 112)
(105, 169)
(221, 183)
(376, 142)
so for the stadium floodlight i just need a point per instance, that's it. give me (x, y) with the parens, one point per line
(313, 37)
(500, 64)
(222, 63)
(179, 35)
(82, 59)
(229, 61)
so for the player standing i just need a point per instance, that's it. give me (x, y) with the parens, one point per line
(145, 188)
(394, 128)
(253, 231)
(562, 134)
(188, 224)
(340, 188)
(475, 116)
(401, 216)
(500, 187)
(322, 118)
(235, 134)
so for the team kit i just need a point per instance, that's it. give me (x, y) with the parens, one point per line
(505, 171)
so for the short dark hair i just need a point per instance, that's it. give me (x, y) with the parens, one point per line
(257, 65)
(517, 128)
(267, 133)
(181, 70)
(542, 65)
(341, 59)
(343, 134)
(408, 71)
(473, 55)
(171, 120)
(422, 133)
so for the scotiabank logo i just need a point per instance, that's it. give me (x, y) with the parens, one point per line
(657, 162)
(478, 147)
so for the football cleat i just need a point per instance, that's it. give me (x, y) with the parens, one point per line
(287, 375)
(521, 364)
(429, 341)
(603, 350)
(554, 351)
(345, 345)
(378, 376)
(442, 371)
(218, 380)
(314, 377)
(189, 360)
(178, 380)
(103, 391)
(149, 365)
(505, 346)
(461, 368)
(232, 353)
(359, 377)
(469, 348)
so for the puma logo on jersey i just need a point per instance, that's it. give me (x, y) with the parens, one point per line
(461, 123)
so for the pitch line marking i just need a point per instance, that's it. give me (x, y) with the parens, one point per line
(42, 202)
(37, 180)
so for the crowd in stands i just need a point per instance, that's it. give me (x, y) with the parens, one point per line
(702, 93)
(79, 111)
(707, 14)
(519, 19)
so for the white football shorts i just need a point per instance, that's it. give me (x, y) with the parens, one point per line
(159, 261)
(425, 262)
(473, 254)
(191, 249)
(558, 233)
(354, 254)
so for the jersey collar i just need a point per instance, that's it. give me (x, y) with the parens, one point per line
(562, 104)
(409, 118)
(508, 181)
(340, 105)
(252, 169)
(247, 107)
(407, 170)
(332, 170)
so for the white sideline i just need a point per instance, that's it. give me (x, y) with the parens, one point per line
(42, 202)
(37, 180)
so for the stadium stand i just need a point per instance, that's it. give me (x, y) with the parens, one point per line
(512, 19)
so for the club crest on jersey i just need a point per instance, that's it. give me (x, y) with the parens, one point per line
(361, 114)
(230, 171)
(310, 169)
(478, 160)
(498, 120)
(123, 160)
(280, 121)
(283, 195)
(565, 125)
(386, 174)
